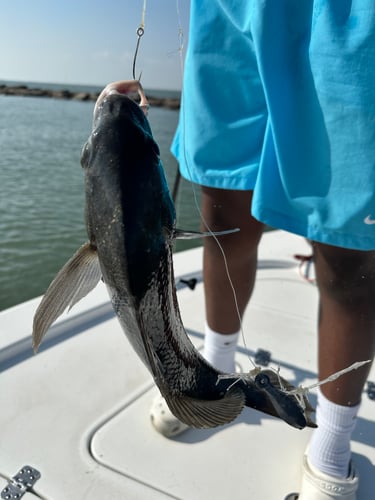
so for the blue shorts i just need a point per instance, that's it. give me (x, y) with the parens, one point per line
(279, 98)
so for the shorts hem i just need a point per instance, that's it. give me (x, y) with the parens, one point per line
(236, 183)
(314, 233)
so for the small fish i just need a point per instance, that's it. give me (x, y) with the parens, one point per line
(130, 219)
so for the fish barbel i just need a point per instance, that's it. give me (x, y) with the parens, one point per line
(130, 220)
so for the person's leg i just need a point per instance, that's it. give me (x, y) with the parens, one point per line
(346, 282)
(228, 271)
(228, 209)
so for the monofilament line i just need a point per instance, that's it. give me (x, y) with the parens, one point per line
(180, 40)
(331, 378)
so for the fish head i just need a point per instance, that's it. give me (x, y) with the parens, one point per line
(117, 113)
(130, 215)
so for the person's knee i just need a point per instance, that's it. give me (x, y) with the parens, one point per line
(347, 276)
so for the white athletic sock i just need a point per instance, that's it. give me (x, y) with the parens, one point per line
(219, 349)
(329, 448)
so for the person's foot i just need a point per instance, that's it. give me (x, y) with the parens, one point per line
(319, 486)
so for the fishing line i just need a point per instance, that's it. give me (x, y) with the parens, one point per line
(140, 33)
(180, 40)
(204, 221)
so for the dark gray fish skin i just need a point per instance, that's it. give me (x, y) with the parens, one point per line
(131, 226)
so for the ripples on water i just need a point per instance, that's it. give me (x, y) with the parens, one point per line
(41, 188)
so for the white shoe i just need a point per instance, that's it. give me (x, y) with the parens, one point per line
(163, 419)
(319, 486)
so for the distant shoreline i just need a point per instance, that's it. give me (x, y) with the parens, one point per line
(26, 91)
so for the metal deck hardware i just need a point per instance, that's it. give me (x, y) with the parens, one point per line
(371, 390)
(262, 357)
(19, 484)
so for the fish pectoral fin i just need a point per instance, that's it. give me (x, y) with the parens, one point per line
(202, 413)
(180, 234)
(74, 281)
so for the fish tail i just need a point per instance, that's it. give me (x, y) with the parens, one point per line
(201, 413)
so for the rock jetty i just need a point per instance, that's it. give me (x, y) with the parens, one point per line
(26, 91)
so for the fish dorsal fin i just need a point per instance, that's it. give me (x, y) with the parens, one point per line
(202, 413)
(74, 281)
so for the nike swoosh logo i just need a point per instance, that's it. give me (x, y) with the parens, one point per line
(368, 220)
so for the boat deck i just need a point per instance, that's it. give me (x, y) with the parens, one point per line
(79, 410)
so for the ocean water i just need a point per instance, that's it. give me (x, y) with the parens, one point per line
(41, 188)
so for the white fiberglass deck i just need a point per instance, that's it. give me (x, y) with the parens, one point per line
(79, 411)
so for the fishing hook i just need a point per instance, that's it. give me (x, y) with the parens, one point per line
(140, 32)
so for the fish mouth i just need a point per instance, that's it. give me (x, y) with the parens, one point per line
(123, 87)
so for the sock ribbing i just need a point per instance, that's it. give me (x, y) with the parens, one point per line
(329, 448)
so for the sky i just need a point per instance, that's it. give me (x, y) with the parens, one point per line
(92, 41)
